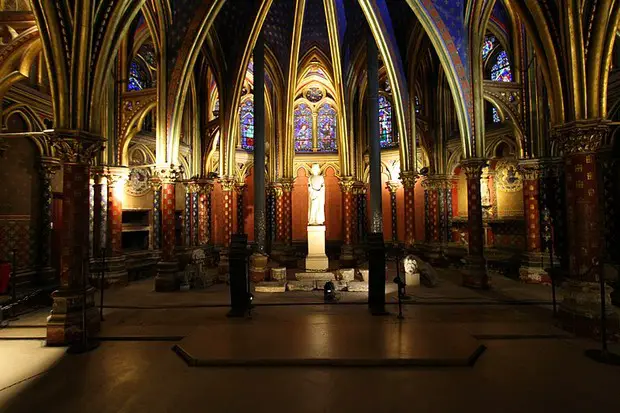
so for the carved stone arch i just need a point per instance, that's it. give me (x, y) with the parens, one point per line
(493, 143)
(34, 122)
(133, 113)
(147, 154)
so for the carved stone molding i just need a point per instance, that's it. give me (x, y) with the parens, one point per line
(433, 182)
(287, 184)
(409, 179)
(49, 166)
(347, 184)
(473, 167)
(116, 175)
(75, 146)
(392, 186)
(531, 169)
(168, 174)
(582, 136)
(228, 184)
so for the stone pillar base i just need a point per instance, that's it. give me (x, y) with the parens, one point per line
(64, 324)
(475, 273)
(532, 269)
(258, 267)
(580, 310)
(166, 279)
(115, 272)
(223, 268)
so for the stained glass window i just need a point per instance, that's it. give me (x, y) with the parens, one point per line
(137, 77)
(487, 46)
(326, 129)
(386, 136)
(501, 69)
(314, 94)
(496, 118)
(303, 128)
(247, 125)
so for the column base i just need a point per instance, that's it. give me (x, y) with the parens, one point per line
(580, 310)
(258, 267)
(532, 269)
(475, 273)
(115, 272)
(64, 324)
(166, 279)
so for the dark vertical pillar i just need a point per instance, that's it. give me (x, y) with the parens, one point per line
(49, 166)
(240, 190)
(392, 187)
(260, 220)
(156, 184)
(376, 213)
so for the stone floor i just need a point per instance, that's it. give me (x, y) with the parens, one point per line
(528, 365)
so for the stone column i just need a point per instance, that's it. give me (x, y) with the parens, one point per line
(99, 212)
(409, 180)
(534, 262)
(349, 222)
(64, 325)
(187, 216)
(287, 209)
(271, 213)
(372, 96)
(580, 307)
(204, 212)
(475, 272)
(166, 279)
(116, 270)
(260, 219)
(279, 202)
(156, 236)
(239, 191)
(194, 190)
(48, 168)
(228, 186)
(362, 216)
(392, 187)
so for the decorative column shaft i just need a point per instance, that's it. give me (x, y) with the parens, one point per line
(194, 190)
(240, 190)
(376, 212)
(48, 168)
(409, 180)
(166, 272)
(99, 212)
(64, 325)
(204, 212)
(475, 274)
(392, 187)
(272, 227)
(228, 186)
(349, 224)
(260, 219)
(362, 216)
(156, 184)
(580, 308)
(279, 216)
(116, 181)
(431, 187)
(187, 216)
(287, 207)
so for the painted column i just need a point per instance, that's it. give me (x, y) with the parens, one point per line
(362, 217)
(436, 195)
(228, 186)
(287, 208)
(116, 270)
(166, 279)
(279, 214)
(240, 190)
(475, 273)
(271, 218)
(580, 308)
(392, 187)
(534, 262)
(194, 190)
(99, 212)
(349, 222)
(64, 325)
(260, 219)
(187, 216)
(204, 212)
(376, 209)
(48, 167)
(409, 180)
(156, 236)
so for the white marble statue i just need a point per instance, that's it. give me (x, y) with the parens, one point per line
(316, 197)
(485, 191)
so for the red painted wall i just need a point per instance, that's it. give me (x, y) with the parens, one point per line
(300, 206)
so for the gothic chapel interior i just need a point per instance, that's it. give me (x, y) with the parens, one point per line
(134, 132)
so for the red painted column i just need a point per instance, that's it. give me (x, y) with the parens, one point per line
(116, 182)
(349, 218)
(166, 279)
(431, 188)
(64, 325)
(99, 213)
(279, 195)
(534, 262)
(475, 274)
(409, 180)
(228, 187)
(287, 208)
(580, 308)
(204, 213)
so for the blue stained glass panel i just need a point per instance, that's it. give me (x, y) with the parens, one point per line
(496, 118)
(303, 128)
(488, 45)
(386, 135)
(247, 125)
(326, 129)
(137, 77)
(501, 69)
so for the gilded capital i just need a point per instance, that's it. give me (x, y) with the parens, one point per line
(76, 147)
(155, 183)
(287, 184)
(582, 136)
(473, 167)
(347, 184)
(433, 182)
(167, 174)
(228, 183)
(49, 166)
(531, 169)
(392, 186)
(116, 174)
(409, 179)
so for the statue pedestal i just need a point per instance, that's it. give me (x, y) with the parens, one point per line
(317, 259)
